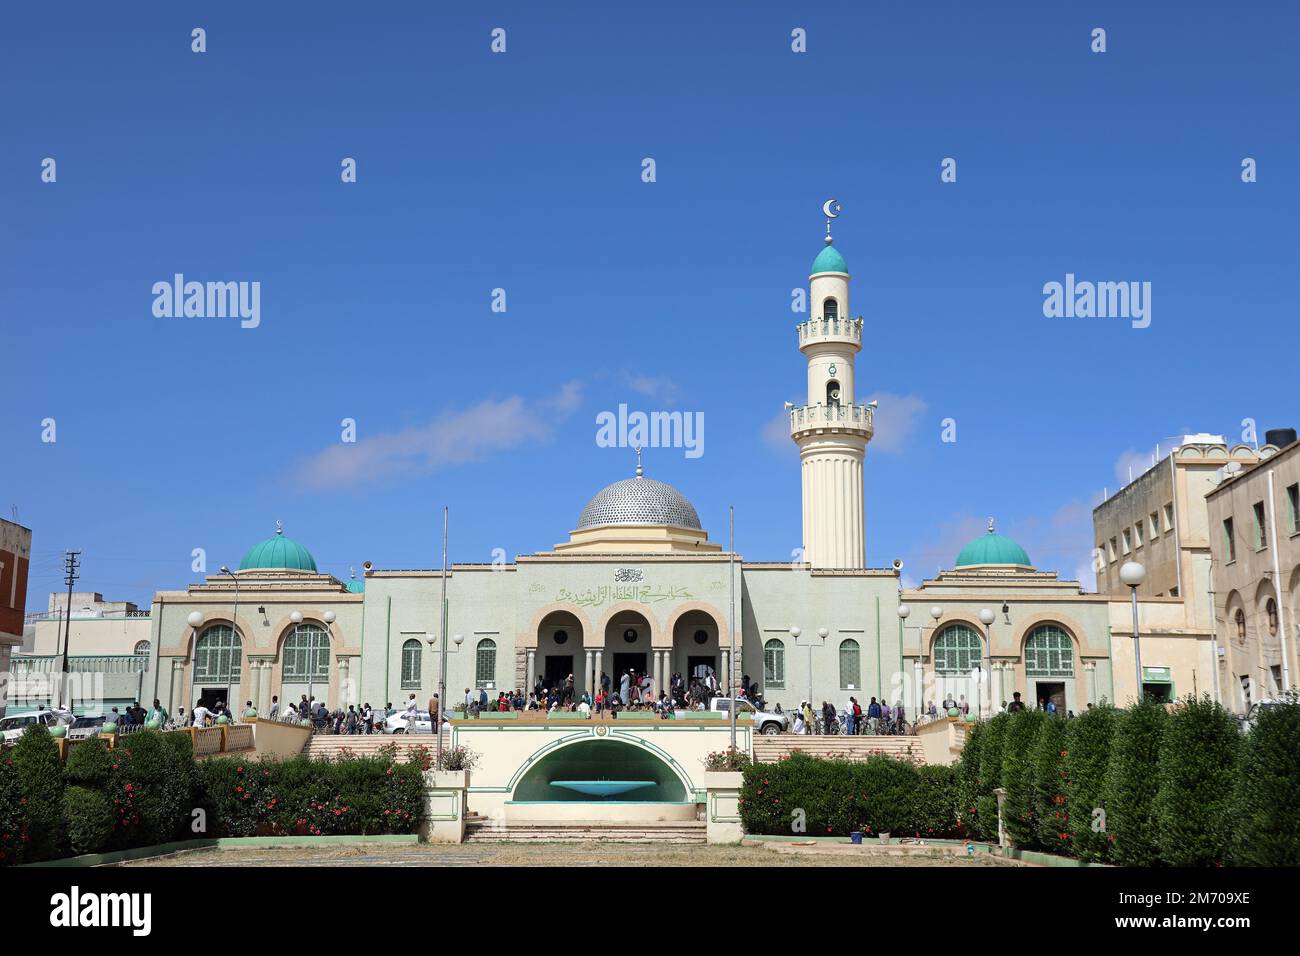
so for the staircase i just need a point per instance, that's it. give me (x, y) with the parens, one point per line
(771, 749)
(481, 830)
(367, 745)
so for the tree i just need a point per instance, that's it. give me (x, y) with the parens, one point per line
(1197, 784)
(1051, 814)
(1267, 801)
(990, 777)
(1129, 794)
(39, 772)
(1088, 744)
(1018, 776)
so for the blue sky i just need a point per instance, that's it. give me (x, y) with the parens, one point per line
(522, 171)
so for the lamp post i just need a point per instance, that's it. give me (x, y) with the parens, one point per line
(195, 619)
(234, 627)
(329, 617)
(987, 617)
(904, 612)
(822, 633)
(296, 618)
(442, 694)
(731, 623)
(1133, 574)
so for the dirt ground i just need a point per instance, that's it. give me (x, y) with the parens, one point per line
(569, 854)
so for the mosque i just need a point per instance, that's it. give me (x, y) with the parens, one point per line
(639, 584)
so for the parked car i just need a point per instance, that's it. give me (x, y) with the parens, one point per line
(86, 726)
(397, 724)
(764, 722)
(11, 728)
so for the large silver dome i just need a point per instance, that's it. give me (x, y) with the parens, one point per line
(639, 501)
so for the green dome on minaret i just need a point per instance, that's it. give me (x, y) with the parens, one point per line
(279, 553)
(829, 260)
(993, 548)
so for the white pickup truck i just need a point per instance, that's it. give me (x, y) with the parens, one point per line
(764, 722)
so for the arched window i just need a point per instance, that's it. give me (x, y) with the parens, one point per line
(1049, 652)
(217, 655)
(306, 654)
(831, 309)
(142, 648)
(485, 663)
(957, 651)
(774, 663)
(1241, 625)
(1271, 610)
(411, 654)
(850, 658)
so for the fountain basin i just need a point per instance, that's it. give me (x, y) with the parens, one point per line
(602, 788)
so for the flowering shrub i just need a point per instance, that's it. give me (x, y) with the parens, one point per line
(300, 796)
(1018, 811)
(1131, 782)
(458, 758)
(731, 759)
(1051, 815)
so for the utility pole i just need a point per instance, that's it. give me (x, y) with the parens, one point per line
(71, 563)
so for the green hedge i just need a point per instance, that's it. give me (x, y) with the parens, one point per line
(150, 790)
(1087, 746)
(1267, 801)
(301, 796)
(1047, 756)
(1019, 812)
(1197, 773)
(818, 797)
(1132, 779)
(1141, 786)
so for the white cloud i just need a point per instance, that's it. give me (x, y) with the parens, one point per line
(1136, 461)
(453, 438)
(896, 420)
(659, 388)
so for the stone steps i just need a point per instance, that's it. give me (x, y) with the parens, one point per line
(365, 745)
(771, 749)
(482, 831)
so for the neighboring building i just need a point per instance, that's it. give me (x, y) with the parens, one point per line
(15, 559)
(1254, 537)
(1049, 639)
(107, 644)
(1160, 520)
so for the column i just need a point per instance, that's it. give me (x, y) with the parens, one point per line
(727, 687)
(345, 691)
(918, 687)
(1090, 679)
(176, 696)
(659, 672)
(532, 670)
(586, 675)
(600, 666)
(264, 704)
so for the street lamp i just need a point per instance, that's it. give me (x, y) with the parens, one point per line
(987, 617)
(329, 617)
(1133, 574)
(234, 627)
(458, 640)
(195, 620)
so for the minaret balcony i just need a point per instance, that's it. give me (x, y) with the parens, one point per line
(831, 330)
(809, 419)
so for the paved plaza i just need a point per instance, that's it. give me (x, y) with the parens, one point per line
(565, 854)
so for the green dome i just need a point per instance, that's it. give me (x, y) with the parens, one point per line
(992, 548)
(278, 552)
(829, 260)
(356, 587)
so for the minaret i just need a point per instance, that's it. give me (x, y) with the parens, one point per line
(831, 431)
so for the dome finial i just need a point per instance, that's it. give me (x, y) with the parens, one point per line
(639, 470)
(279, 526)
(832, 208)
(352, 572)
(991, 531)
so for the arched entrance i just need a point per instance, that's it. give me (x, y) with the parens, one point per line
(697, 655)
(560, 652)
(628, 645)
